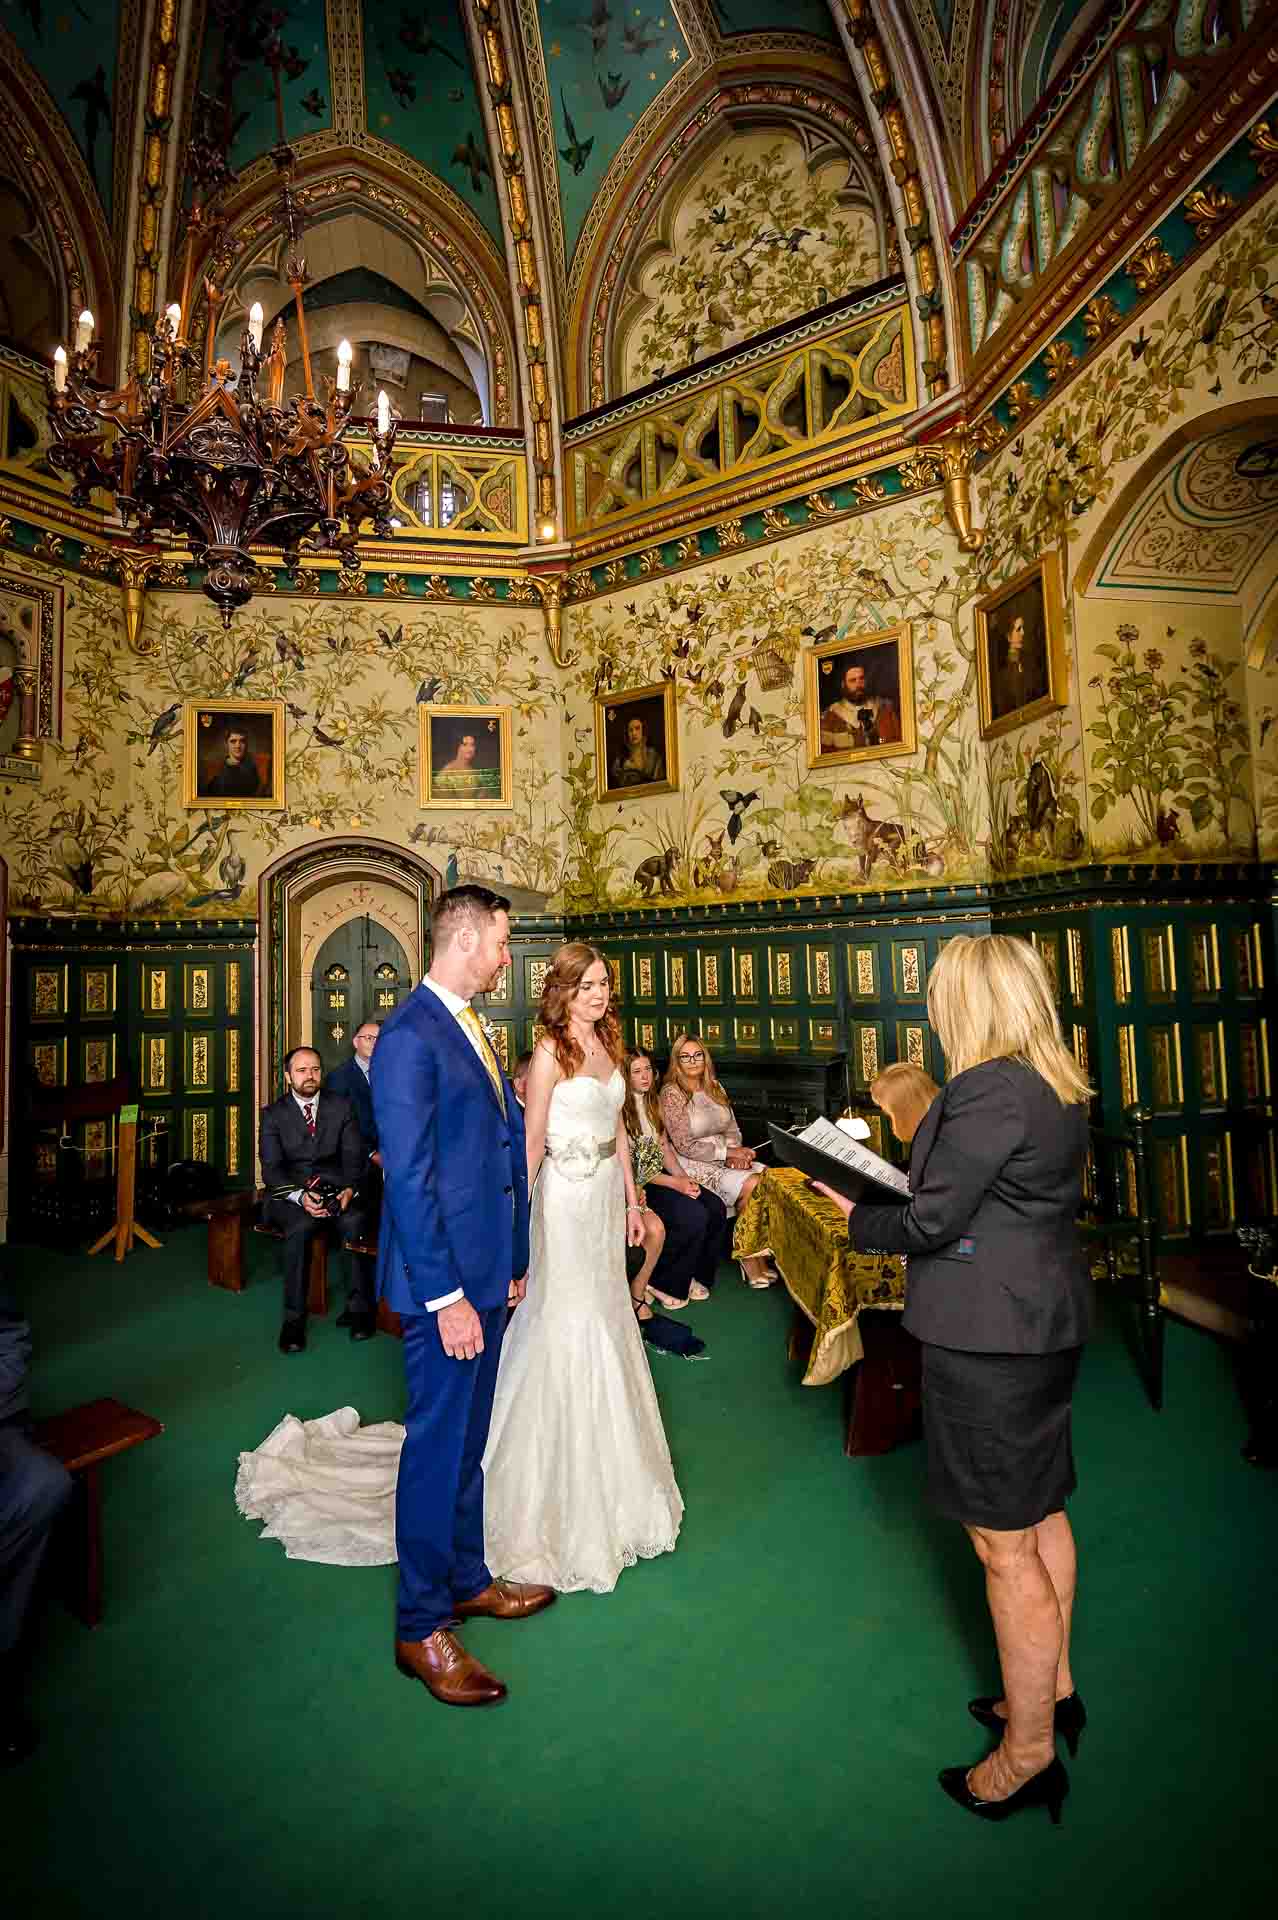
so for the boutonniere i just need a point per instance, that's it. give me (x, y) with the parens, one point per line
(490, 1034)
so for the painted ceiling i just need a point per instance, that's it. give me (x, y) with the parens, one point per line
(420, 90)
(73, 49)
(306, 85)
(766, 16)
(605, 63)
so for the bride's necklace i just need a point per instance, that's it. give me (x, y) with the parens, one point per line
(590, 1046)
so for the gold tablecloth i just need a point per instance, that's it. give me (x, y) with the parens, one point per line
(826, 1278)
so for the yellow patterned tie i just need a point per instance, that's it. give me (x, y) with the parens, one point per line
(470, 1020)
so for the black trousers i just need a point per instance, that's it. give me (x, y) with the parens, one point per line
(34, 1488)
(299, 1228)
(696, 1239)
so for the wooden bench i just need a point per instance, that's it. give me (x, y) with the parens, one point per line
(82, 1439)
(227, 1251)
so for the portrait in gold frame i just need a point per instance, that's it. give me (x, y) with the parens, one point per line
(1020, 649)
(233, 754)
(464, 757)
(636, 743)
(859, 697)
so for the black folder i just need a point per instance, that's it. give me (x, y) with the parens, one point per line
(849, 1181)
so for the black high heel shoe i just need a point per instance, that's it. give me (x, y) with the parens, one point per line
(1047, 1789)
(1071, 1718)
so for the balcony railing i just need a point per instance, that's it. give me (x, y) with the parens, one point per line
(831, 381)
(1122, 98)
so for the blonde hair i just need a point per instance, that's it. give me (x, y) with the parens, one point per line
(989, 998)
(675, 1076)
(905, 1093)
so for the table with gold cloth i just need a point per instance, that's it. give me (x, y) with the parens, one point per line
(825, 1277)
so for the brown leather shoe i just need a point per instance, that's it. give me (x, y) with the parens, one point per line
(506, 1600)
(444, 1667)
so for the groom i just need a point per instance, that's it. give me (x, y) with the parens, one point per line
(453, 1252)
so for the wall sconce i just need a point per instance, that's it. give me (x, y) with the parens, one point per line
(547, 530)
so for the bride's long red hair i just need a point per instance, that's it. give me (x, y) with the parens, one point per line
(567, 970)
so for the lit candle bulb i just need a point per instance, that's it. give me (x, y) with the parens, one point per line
(383, 412)
(59, 370)
(174, 316)
(257, 320)
(344, 358)
(547, 529)
(83, 331)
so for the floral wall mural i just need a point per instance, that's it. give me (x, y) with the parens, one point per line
(1165, 746)
(106, 830)
(752, 819)
(1161, 755)
(769, 228)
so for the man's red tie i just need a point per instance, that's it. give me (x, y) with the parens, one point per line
(309, 1111)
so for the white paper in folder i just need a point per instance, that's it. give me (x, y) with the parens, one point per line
(828, 1138)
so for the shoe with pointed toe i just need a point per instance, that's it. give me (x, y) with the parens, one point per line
(1047, 1789)
(444, 1667)
(1070, 1719)
(361, 1323)
(506, 1600)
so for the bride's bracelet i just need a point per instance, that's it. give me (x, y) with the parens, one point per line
(634, 1209)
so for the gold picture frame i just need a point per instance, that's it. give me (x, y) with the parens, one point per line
(217, 774)
(1015, 688)
(873, 720)
(620, 770)
(465, 758)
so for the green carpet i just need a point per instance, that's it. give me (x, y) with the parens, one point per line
(749, 1726)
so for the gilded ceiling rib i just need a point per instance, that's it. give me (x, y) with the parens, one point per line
(923, 267)
(526, 264)
(155, 179)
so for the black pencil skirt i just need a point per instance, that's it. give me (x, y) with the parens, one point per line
(997, 1429)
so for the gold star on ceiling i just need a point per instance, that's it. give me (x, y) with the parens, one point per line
(674, 54)
(555, 49)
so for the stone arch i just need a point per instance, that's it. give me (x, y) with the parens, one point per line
(308, 893)
(358, 217)
(821, 113)
(1198, 520)
(69, 233)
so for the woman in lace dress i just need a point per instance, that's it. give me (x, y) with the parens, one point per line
(704, 1133)
(577, 1476)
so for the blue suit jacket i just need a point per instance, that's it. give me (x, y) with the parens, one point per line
(352, 1083)
(455, 1206)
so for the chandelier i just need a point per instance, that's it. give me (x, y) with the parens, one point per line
(216, 459)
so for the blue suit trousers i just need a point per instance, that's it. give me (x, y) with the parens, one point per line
(439, 1501)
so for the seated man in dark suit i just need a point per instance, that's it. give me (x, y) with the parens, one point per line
(34, 1488)
(308, 1138)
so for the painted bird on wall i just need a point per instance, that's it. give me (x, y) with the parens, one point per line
(577, 152)
(736, 804)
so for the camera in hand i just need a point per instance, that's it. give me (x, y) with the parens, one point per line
(328, 1194)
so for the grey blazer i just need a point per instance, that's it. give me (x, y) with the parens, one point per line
(990, 1228)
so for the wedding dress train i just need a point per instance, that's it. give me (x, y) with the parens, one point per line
(577, 1476)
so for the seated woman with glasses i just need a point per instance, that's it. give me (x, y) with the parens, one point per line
(694, 1220)
(707, 1140)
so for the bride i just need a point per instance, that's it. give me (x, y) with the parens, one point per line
(577, 1476)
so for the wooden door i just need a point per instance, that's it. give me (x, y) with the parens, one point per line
(361, 973)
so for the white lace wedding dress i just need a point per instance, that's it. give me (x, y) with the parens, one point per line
(577, 1476)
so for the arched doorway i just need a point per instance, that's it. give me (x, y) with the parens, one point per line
(361, 973)
(309, 897)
